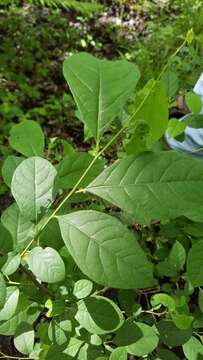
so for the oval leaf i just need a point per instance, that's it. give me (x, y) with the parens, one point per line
(11, 302)
(105, 250)
(99, 315)
(32, 186)
(195, 264)
(27, 138)
(24, 338)
(82, 288)
(161, 185)
(46, 264)
(9, 166)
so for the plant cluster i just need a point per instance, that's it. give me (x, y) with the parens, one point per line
(104, 261)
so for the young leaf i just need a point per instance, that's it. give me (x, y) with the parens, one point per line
(21, 229)
(182, 321)
(193, 349)
(9, 166)
(153, 186)
(72, 167)
(11, 302)
(105, 250)
(24, 338)
(119, 354)
(2, 291)
(193, 102)
(27, 138)
(154, 111)
(138, 338)
(100, 88)
(12, 264)
(82, 288)
(195, 264)
(32, 186)
(99, 315)
(46, 264)
(171, 335)
(177, 256)
(163, 299)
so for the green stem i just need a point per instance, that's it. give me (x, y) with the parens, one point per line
(99, 153)
(4, 356)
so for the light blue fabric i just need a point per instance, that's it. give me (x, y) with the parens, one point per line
(193, 142)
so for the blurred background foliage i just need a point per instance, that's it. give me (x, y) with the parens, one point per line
(36, 36)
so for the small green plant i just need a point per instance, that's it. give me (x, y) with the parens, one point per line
(100, 261)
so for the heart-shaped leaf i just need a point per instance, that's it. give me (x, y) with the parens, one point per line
(100, 88)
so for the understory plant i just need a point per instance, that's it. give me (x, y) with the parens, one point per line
(101, 258)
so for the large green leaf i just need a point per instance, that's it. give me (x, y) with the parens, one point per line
(105, 250)
(27, 138)
(99, 315)
(73, 166)
(195, 264)
(100, 88)
(21, 229)
(46, 264)
(154, 186)
(32, 186)
(171, 335)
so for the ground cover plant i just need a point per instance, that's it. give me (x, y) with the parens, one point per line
(102, 258)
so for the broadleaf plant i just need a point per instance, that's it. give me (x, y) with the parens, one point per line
(101, 257)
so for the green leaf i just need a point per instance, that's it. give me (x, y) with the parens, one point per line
(82, 288)
(32, 186)
(27, 138)
(46, 264)
(59, 330)
(193, 102)
(164, 354)
(99, 315)
(154, 110)
(193, 349)
(12, 264)
(95, 340)
(24, 338)
(153, 186)
(71, 168)
(100, 88)
(171, 82)
(21, 229)
(9, 166)
(6, 243)
(182, 321)
(200, 299)
(51, 235)
(176, 127)
(11, 302)
(163, 299)
(73, 347)
(177, 256)
(2, 291)
(171, 335)
(138, 338)
(195, 265)
(105, 250)
(119, 354)
(25, 312)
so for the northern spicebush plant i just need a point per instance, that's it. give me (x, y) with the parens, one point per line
(102, 261)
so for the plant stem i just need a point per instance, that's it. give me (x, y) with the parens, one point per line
(99, 153)
(39, 285)
(3, 356)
